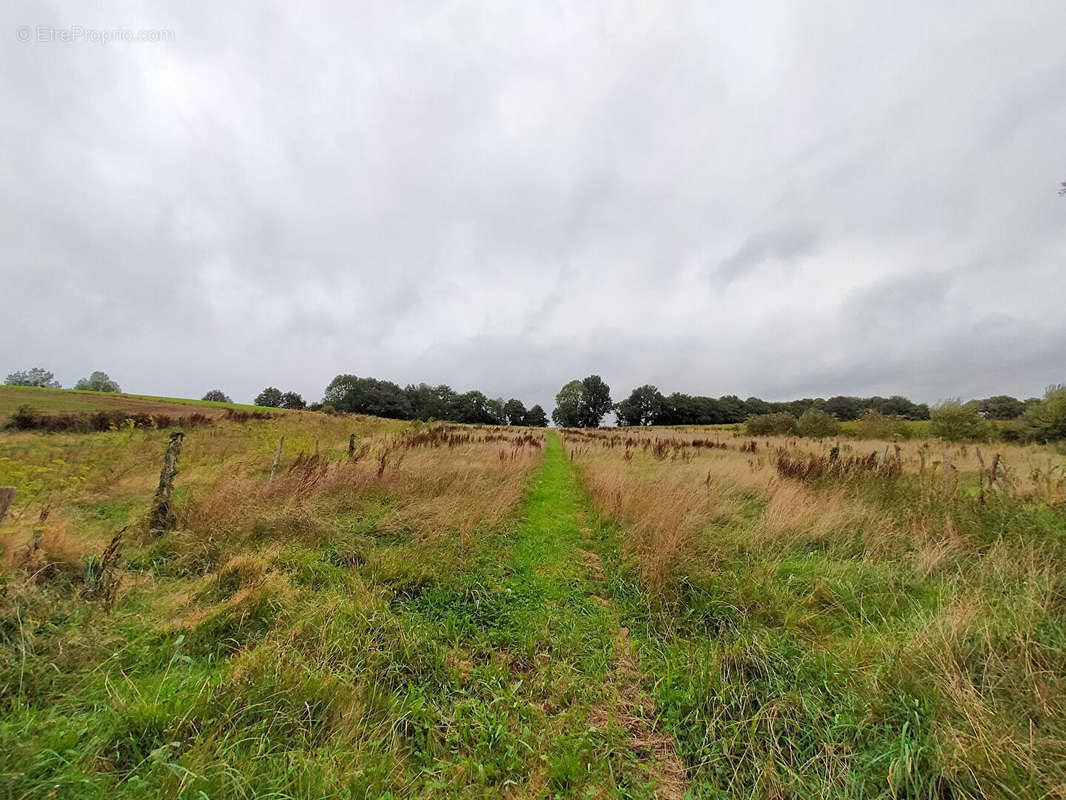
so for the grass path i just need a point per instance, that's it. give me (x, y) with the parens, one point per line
(368, 665)
(602, 736)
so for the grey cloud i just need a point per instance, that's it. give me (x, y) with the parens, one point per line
(712, 198)
(782, 244)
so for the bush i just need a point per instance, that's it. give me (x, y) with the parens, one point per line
(217, 396)
(816, 424)
(1046, 421)
(770, 424)
(956, 421)
(875, 425)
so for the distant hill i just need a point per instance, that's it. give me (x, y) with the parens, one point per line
(70, 400)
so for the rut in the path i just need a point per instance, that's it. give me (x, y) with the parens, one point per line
(635, 709)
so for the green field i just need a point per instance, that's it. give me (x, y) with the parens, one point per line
(450, 611)
(72, 400)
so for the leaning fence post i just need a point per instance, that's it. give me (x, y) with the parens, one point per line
(351, 446)
(162, 517)
(7, 497)
(277, 458)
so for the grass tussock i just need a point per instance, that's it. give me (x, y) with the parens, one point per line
(839, 619)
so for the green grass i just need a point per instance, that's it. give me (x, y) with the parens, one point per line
(339, 656)
(367, 666)
(71, 400)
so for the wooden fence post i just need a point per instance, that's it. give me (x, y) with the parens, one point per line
(277, 458)
(947, 475)
(162, 517)
(351, 446)
(7, 497)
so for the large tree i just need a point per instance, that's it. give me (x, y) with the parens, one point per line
(292, 400)
(36, 376)
(217, 396)
(476, 409)
(515, 412)
(536, 418)
(97, 382)
(582, 404)
(270, 397)
(431, 402)
(368, 396)
(567, 412)
(595, 401)
(1002, 406)
(644, 406)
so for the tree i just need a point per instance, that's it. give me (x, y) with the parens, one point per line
(475, 409)
(431, 402)
(536, 418)
(368, 396)
(567, 412)
(97, 382)
(844, 408)
(292, 400)
(1002, 406)
(956, 421)
(1046, 421)
(595, 401)
(37, 376)
(816, 423)
(644, 406)
(217, 396)
(733, 408)
(756, 406)
(515, 412)
(269, 398)
(495, 408)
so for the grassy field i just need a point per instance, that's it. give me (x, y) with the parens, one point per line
(71, 400)
(457, 611)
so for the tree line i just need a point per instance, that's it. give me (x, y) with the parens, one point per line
(381, 398)
(585, 403)
(45, 379)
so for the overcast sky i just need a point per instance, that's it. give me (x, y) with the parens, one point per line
(772, 199)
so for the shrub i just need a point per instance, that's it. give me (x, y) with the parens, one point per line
(217, 396)
(23, 419)
(770, 424)
(875, 425)
(1046, 421)
(816, 424)
(956, 421)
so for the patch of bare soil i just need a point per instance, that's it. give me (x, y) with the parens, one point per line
(593, 564)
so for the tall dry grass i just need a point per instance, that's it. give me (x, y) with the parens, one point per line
(947, 593)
